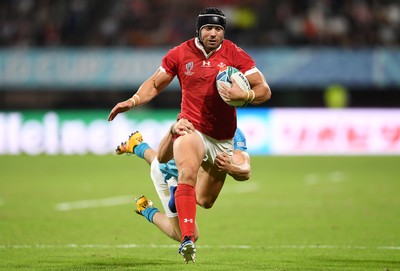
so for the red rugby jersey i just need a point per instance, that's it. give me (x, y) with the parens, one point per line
(196, 72)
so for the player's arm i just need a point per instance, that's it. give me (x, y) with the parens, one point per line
(179, 128)
(146, 92)
(237, 165)
(260, 91)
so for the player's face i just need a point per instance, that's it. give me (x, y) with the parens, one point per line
(212, 36)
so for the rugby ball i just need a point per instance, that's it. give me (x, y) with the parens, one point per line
(225, 76)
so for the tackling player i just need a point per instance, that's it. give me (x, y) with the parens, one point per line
(164, 176)
(196, 63)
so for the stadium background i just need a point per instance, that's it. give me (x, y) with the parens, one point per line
(276, 28)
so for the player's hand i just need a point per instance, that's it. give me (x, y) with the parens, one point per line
(234, 93)
(182, 127)
(223, 161)
(120, 108)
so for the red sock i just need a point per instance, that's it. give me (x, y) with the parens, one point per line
(185, 201)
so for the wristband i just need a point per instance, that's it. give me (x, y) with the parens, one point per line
(133, 100)
(254, 95)
(248, 96)
(138, 99)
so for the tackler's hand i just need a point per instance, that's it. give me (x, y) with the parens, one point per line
(182, 127)
(223, 161)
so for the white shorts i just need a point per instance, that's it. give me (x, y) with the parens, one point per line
(161, 186)
(214, 146)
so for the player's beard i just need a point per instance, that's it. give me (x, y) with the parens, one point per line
(212, 44)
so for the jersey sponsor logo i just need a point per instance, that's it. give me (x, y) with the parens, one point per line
(206, 64)
(189, 67)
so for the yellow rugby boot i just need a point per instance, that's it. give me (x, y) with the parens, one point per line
(129, 145)
(142, 203)
(145, 208)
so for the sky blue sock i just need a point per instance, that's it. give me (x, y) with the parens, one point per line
(140, 149)
(149, 212)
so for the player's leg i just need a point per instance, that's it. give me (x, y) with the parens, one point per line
(175, 225)
(170, 226)
(210, 178)
(189, 151)
(162, 187)
(167, 222)
(167, 225)
(145, 208)
(209, 184)
(163, 220)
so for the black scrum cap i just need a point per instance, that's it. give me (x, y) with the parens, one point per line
(210, 16)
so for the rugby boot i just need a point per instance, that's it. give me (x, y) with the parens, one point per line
(188, 250)
(129, 145)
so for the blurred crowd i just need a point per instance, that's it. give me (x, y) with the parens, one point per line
(139, 23)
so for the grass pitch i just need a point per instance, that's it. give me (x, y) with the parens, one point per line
(296, 213)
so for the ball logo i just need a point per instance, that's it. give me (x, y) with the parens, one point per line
(241, 75)
(225, 76)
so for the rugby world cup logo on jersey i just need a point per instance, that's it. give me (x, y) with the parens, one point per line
(189, 67)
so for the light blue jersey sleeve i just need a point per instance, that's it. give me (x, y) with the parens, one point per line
(239, 141)
(169, 169)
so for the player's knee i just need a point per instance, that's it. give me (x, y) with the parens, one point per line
(205, 203)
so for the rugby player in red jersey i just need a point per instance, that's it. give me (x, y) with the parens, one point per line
(196, 63)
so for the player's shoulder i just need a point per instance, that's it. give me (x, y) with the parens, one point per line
(177, 51)
(228, 44)
(184, 45)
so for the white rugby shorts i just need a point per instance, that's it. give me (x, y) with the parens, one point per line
(162, 187)
(214, 146)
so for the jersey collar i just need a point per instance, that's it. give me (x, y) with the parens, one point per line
(201, 48)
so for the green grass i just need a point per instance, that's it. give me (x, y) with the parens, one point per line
(296, 213)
